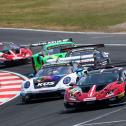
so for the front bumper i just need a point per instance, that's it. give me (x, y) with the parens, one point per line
(73, 104)
(43, 95)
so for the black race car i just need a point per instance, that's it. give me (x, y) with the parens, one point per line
(88, 55)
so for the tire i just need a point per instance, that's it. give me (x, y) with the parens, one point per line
(8, 63)
(25, 100)
(68, 106)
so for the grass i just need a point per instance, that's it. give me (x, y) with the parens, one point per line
(76, 15)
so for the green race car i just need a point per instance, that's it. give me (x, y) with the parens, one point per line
(50, 50)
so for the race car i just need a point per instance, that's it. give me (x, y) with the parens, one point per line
(87, 55)
(50, 50)
(11, 53)
(96, 87)
(51, 81)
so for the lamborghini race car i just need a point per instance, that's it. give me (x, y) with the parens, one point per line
(50, 81)
(98, 86)
(50, 50)
(12, 53)
(87, 55)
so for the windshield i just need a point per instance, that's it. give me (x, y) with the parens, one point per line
(8, 46)
(99, 78)
(57, 49)
(77, 53)
(54, 70)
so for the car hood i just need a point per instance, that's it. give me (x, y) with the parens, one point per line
(89, 92)
(48, 78)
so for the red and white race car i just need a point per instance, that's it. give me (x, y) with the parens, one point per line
(12, 53)
(99, 86)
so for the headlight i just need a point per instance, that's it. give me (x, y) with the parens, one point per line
(66, 80)
(27, 84)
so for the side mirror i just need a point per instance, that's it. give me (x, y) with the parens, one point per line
(79, 70)
(120, 81)
(71, 84)
(31, 75)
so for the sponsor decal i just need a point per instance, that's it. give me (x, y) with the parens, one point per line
(90, 99)
(44, 84)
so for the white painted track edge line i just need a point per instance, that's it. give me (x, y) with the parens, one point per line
(100, 123)
(22, 76)
(10, 99)
(54, 31)
(99, 117)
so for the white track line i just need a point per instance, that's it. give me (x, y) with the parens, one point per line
(9, 87)
(99, 117)
(51, 31)
(5, 73)
(70, 32)
(12, 92)
(3, 99)
(100, 123)
(11, 82)
(9, 77)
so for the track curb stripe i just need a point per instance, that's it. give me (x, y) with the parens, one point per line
(10, 85)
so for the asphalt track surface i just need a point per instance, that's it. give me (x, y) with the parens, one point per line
(51, 112)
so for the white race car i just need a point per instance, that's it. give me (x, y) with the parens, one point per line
(50, 81)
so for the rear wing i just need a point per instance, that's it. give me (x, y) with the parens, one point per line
(42, 43)
(84, 47)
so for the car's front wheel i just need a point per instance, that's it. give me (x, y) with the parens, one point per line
(25, 99)
(67, 105)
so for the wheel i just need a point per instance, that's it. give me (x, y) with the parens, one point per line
(67, 105)
(8, 63)
(25, 99)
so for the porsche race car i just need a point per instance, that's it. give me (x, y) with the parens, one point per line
(50, 81)
(98, 86)
(11, 53)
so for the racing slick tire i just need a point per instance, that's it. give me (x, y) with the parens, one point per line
(68, 106)
(8, 63)
(25, 100)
